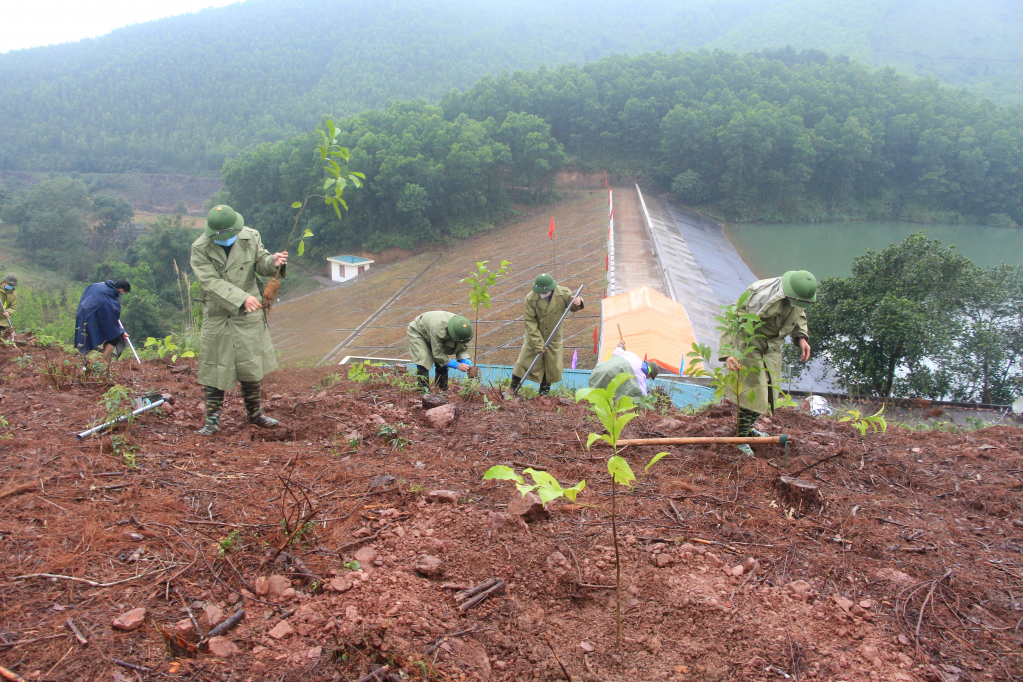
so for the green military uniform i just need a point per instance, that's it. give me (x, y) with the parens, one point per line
(10, 301)
(605, 371)
(235, 345)
(540, 316)
(431, 342)
(780, 319)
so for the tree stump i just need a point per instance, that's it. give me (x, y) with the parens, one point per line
(799, 493)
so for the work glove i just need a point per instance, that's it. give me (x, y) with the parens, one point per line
(453, 364)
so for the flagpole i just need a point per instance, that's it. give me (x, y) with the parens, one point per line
(554, 251)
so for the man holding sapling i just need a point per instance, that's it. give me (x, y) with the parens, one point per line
(641, 372)
(235, 346)
(432, 338)
(780, 303)
(9, 297)
(541, 311)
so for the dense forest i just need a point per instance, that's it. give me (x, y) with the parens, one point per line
(775, 136)
(182, 94)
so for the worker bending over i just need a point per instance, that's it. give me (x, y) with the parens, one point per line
(432, 338)
(541, 311)
(235, 346)
(780, 303)
(640, 372)
(98, 319)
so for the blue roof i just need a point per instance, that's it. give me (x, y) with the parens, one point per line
(349, 259)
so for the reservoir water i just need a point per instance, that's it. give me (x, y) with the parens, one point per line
(828, 249)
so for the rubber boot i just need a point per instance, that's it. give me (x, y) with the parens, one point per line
(214, 406)
(423, 376)
(253, 410)
(442, 376)
(746, 420)
(545, 389)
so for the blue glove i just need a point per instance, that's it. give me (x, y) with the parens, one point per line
(453, 364)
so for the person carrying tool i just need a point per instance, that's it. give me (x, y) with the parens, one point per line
(780, 303)
(434, 336)
(620, 361)
(542, 310)
(10, 300)
(235, 345)
(98, 319)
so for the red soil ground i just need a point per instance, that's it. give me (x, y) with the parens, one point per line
(910, 570)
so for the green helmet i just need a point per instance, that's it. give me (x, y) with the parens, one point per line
(223, 222)
(800, 287)
(12, 280)
(544, 284)
(459, 328)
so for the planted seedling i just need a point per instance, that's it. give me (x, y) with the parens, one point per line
(392, 434)
(228, 543)
(875, 421)
(481, 281)
(168, 345)
(614, 413)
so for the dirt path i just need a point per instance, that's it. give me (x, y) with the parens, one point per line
(918, 529)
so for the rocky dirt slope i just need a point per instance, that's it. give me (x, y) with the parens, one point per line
(910, 570)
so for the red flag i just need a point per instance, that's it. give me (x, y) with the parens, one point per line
(595, 327)
(550, 232)
(607, 262)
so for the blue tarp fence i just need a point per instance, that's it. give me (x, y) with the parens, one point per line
(683, 395)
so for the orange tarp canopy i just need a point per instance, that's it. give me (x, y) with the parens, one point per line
(653, 326)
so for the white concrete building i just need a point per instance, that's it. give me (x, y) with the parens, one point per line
(343, 268)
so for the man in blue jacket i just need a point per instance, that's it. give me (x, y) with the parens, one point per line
(98, 321)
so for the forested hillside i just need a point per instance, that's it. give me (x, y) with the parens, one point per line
(184, 93)
(781, 136)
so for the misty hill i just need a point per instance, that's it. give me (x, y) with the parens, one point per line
(182, 94)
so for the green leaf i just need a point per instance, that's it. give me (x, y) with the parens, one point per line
(542, 478)
(301, 247)
(499, 472)
(525, 489)
(297, 204)
(620, 470)
(570, 493)
(657, 458)
(547, 493)
(593, 437)
(307, 233)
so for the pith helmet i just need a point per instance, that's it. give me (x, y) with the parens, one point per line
(544, 284)
(223, 222)
(800, 287)
(459, 328)
(651, 370)
(12, 280)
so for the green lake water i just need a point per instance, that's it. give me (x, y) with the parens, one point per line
(828, 249)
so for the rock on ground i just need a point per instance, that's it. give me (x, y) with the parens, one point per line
(529, 507)
(448, 496)
(130, 620)
(440, 417)
(430, 566)
(222, 647)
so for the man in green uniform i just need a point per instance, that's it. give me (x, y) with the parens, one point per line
(780, 303)
(640, 373)
(10, 301)
(235, 346)
(541, 310)
(432, 338)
